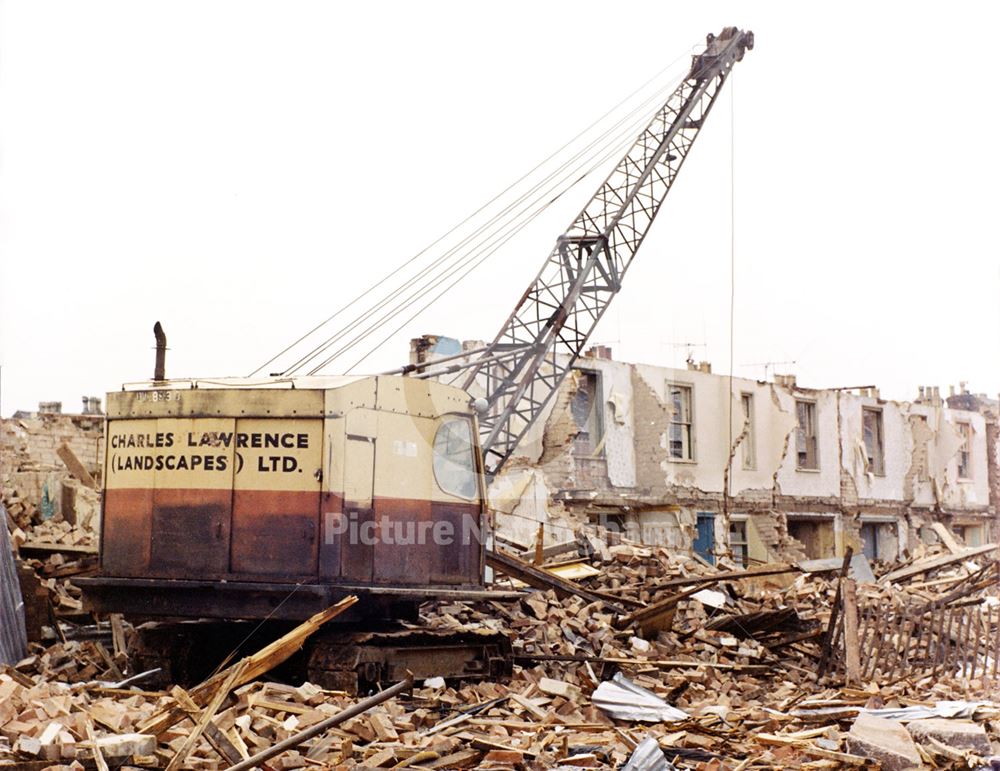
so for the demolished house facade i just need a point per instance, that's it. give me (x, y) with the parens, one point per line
(752, 470)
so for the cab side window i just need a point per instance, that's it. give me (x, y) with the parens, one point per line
(454, 458)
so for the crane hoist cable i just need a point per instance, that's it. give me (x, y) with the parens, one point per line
(615, 151)
(475, 239)
(482, 251)
(625, 127)
(471, 216)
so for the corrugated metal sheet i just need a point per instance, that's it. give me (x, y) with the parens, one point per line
(622, 699)
(648, 756)
(13, 638)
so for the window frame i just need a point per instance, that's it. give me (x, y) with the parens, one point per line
(963, 529)
(749, 443)
(924, 469)
(875, 464)
(963, 468)
(477, 494)
(597, 411)
(742, 522)
(813, 412)
(689, 424)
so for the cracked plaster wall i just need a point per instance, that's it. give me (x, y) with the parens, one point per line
(657, 493)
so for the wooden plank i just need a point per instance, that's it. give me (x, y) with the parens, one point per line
(460, 759)
(260, 662)
(729, 575)
(960, 638)
(978, 638)
(99, 761)
(117, 634)
(109, 662)
(946, 537)
(656, 617)
(867, 636)
(841, 757)
(831, 630)
(916, 643)
(938, 638)
(852, 653)
(76, 468)
(904, 649)
(51, 546)
(541, 579)
(996, 646)
(220, 695)
(216, 737)
(532, 708)
(925, 566)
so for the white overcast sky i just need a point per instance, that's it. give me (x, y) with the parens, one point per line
(239, 170)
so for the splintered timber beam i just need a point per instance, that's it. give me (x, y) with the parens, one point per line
(202, 721)
(925, 566)
(731, 575)
(656, 617)
(215, 736)
(255, 665)
(542, 579)
(852, 654)
(831, 630)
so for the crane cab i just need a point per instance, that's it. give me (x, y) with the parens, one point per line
(222, 496)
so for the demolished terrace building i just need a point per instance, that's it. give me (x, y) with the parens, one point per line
(752, 470)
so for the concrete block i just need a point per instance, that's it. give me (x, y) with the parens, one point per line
(886, 741)
(958, 734)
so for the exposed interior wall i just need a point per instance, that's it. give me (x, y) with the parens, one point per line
(630, 477)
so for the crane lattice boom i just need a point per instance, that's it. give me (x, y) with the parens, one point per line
(527, 361)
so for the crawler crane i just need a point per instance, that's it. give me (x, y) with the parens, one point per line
(249, 499)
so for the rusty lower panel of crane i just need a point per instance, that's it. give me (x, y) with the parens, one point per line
(894, 637)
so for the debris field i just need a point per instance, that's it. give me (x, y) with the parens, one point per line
(627, 657)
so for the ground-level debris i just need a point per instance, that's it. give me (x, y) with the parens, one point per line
(729, 679)
(648, 756)
(622, 699)
(323, 725)
(957, 734)
(885, 741)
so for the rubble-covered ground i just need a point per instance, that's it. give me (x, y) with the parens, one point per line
(723, 672)
(624, 657)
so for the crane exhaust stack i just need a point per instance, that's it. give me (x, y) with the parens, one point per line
(159, 370)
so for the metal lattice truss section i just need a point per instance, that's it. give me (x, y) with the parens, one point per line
(524, 366)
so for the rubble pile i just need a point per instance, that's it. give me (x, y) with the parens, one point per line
(49, 477)
(645, 659)
(49, 466)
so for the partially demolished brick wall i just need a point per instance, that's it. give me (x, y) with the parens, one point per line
(36, 482)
